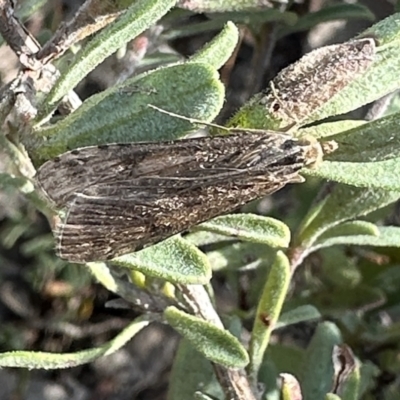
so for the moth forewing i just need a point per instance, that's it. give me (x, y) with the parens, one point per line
(75, 170)
(123, 197)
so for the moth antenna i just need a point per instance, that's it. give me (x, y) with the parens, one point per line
(191, 120)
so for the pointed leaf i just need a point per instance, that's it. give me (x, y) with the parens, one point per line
(370, 142)
(378, 175)
(239, 254)
(327, 129)
(286, 358)
(339, 270)
(204, 238)
(255, 228)
(218, 51)
(215, 344)
(352, 228)
(136, 19)
(219, 6)
(174, 260)
(122, 114)
(42, 360)
(268, 309)
(317, 372)
(340, 204)
(188, 377)
(299, 314)
(388, 236)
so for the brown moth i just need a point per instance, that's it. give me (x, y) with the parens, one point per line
(122, 197)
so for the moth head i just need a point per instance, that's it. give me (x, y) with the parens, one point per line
(315, 151)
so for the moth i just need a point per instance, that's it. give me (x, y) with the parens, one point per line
(122, 197)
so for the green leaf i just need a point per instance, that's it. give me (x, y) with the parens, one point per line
(220, 6)
(373, 141)
(286, 358)
(255, 19)
(340, 300)
(188, 377)
(342, 232)
(251, 227)
(42, 360)
(339, 270)
(341, 204)
(317, 372)
(218, 51)
(174, 260)
(103, 275)
(268, 310)
(329, 128)
(204, 238)
(122, 114)
(378, 175)
(136, 19)
(352, 228)
(237, 255)
(216, 344)
(388, 236)
(299, 314)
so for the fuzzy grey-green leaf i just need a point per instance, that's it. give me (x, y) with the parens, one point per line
(215, 344)
(174, 260)
(218, 51)
(268, 309)
(187, 378)
(378, 175)
(299, 314)
(42, 360)
(340, 204)
(374, 141)
(138, 17)
(122, 114)
(317, 372)
(388, 236)
(351, 228)
(251, 227)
